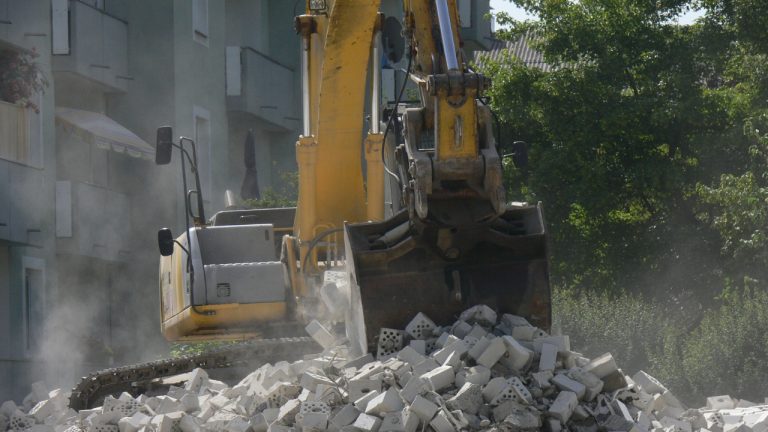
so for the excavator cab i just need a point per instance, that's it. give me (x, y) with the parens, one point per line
(222, 278)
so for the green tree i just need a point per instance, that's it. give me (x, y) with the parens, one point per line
(615, 129)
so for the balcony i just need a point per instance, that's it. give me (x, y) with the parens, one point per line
(260, 85)
(23, 201)
(14, 132)
(95, 47)
(475, 27)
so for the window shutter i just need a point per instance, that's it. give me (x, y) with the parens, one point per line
(60, 26)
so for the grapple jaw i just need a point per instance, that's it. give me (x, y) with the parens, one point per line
(441, 271)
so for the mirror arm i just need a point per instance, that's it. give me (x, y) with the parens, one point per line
(181, 246)
(200, 208)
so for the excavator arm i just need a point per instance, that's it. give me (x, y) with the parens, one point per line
(456, 243)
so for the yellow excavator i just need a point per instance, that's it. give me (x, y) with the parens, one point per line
(409, 217)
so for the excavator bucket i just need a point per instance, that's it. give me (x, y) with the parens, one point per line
(502, 264)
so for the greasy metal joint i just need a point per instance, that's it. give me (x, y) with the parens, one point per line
(305, 25)
(455, 84)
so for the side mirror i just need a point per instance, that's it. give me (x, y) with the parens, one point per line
(520, 154)
(165, 241)
(164, 146)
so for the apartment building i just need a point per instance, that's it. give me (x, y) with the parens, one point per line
(80, 196)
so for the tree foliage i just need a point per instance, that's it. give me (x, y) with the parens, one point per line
(630, 131)
(649, 149)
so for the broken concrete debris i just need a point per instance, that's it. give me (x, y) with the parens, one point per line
(482, 373)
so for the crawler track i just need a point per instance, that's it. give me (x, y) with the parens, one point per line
(135, 379)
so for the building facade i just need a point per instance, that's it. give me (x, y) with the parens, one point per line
(80, 196)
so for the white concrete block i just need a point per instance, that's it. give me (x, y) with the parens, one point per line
(460, 329)
(410, 356)
(458, 347)
(563, 406)
(330, 394)
(648, 383)
(414, 387)
(367, 423)
(480, 314)
(359, 387)
(390, 342)
(564, 383)
(314, 421)
(198, 381)
(542, 380)
(133, 423)
(494, 387)
(386, 402)
(346, 416)
(720, 402)
(420, 327)
(563, 343)
(259, 423)
(479, 375)
(553, 425)
(672, 400)
(468, 399)
(445, 339)
(423, 409)
(42, 410)
(189, 403)
(526, 333)
(419, 346)
(238, 424)
(477, 332)
(410, 420)
(165, 422)
(393, 422)
(190, 423)
(439, 378)
(592, 383)
(522, 418)
(513, 321)
(8, 408)
(310, 380)
(548, 357)
(643, 422)
(320, 334)
(454, 361)
(678, 425)
(479, 347)
(516, 357)
(362, 403)
(276, 427)
(359, 361)
(288, 411)
(492, 353)
(441, 423)
(602, 366)
(428, 365)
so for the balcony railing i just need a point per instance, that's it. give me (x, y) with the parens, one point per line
(262, 86)
(14, 132)
(98, 46)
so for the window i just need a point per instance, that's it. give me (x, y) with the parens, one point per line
(465, 13)
(203, 145)
(33, 303)
(200, 21)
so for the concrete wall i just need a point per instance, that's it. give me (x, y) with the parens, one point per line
(199, 90)
(30, 192)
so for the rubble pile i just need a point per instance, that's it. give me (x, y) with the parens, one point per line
(479, 374)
